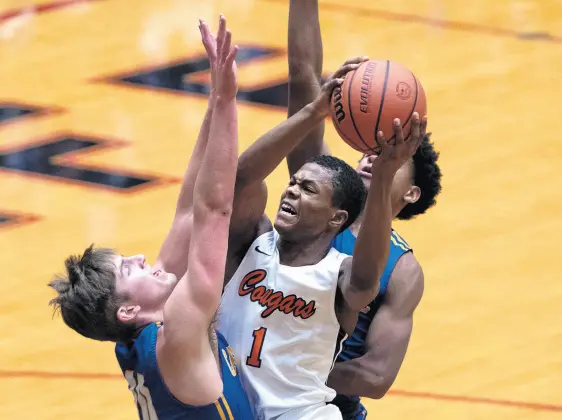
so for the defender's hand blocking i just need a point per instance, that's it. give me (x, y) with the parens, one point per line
(394, 153)
(226, 82)
(210, 44)
(221, 59)
(322, 103)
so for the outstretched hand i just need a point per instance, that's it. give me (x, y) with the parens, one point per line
(221, 58)
(334, 81)
(397, 150)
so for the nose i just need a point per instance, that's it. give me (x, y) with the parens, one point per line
(140, 260)
(293, 191)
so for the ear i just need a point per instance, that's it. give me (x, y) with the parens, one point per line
(412, 195)
(338, 219)
(127, 314)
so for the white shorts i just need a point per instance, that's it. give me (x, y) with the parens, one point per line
(313, 412)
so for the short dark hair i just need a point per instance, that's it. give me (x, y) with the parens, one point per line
(427, 176)
(87, 297)
(349, 191)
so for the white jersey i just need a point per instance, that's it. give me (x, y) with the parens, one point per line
(281, 324)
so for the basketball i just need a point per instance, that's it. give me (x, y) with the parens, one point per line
(370, 98)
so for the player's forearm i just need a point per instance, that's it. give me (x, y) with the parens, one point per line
(304, 41)
(262, 157)
(353, 378)
(185, 199)
(215, 182)
(372, 247)
(305, 70)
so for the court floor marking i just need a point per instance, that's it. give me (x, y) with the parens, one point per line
(35, 374)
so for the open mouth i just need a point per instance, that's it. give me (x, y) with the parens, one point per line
(365, 171)
(287, 209)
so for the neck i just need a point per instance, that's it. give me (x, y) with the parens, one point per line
(354, 228)
(300, 253)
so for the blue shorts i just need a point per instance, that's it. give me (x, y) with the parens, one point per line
(362, 414)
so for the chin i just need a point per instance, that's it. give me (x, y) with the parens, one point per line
(283, 227)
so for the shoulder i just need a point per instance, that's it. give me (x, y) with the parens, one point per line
(406, 283)
(140, 353)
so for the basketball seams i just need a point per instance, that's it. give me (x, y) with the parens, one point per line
(341, 133)
(382, 103)
(351, 109)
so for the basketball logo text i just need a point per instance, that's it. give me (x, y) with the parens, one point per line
(366, 86)
(338, 107)
(272, 300)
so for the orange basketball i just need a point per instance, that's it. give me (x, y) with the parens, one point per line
(370, 98)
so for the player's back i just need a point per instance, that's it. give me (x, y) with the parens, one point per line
(282, 326)
(355, 345)
(154, 402)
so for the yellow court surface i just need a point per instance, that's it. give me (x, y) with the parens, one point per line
(99, 111)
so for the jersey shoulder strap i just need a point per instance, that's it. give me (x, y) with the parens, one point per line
(398, 247)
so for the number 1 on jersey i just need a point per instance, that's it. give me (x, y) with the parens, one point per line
(254, 358)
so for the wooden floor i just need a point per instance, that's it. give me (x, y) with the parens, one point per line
(75, 86)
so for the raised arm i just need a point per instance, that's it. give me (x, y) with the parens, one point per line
(174, 253)
(359, 280)
(373, 374)
(305, 73)
(185, 355)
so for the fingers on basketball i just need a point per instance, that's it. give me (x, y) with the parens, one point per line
(398, 132)
(356, 60)
(371, 97)
(332, 84)
(423, 130)
(346, 68)
(382, 144)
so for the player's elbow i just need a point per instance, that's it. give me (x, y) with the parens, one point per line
(376, 392)
(377, 386)
(303, 76)
(217, 203)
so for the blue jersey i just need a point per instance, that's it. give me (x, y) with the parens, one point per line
(154, 402)
(354, 346)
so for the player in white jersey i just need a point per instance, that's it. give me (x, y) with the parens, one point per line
(289, 293)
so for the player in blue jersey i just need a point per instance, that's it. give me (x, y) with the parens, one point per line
(372, 356)
(176, 364)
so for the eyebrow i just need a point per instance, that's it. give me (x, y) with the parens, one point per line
(121, 265)
(310, 182)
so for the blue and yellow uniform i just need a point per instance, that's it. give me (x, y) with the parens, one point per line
(354, 346)
(154, 402)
